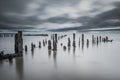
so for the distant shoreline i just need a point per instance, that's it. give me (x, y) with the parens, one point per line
(35, 34)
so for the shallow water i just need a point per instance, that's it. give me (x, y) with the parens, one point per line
(96, 62)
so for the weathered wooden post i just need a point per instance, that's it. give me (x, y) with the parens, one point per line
(43, 43)
(54, 46)
(79, 42)
(69, 42)
(64, 48)
(106, 39)
(54, 42)
(82, 38)
(100, 38)
(39, 44)
(87, 43)
(61, 44)
(97, 40)
(32, 46)
(49, 45)
(56, 38)
(74, 45)
(82, 41)
(93, 39)
(18, 43)
(26, 48)
(46, 41)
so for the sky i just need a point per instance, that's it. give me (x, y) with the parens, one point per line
(36, 15)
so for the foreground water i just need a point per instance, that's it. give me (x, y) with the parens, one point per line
(96, 62)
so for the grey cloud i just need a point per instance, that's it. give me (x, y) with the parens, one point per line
(22, 19)
(101, 19)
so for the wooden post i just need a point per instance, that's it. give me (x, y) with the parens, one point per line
(100, 38)
(39, 44)
(55, 42)
(26, 48)
(74, 44)
(56, 38)
(69, 42)
(82, 38)
(18, 43)
(49, 45)
(93, 39)
(87, 43)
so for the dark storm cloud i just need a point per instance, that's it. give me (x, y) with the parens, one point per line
(13, 5)
(48, 14)
(107, 19)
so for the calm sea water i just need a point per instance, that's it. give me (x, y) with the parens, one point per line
(96, 62)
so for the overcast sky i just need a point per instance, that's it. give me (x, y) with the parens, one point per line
(58, 14)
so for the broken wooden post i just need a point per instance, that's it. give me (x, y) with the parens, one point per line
(64, 47)
(97, 40)
(100, 38)
(87, 43)
(79, 42)
(106, 39)
(32, 46)
(39, 44)
(93, 39)
(56, 38)
(18, 43)
(54, 46)
(46, 41)
(69, 42)
(82, 38)
(43, 43)
(54, 42)
(26, 48)
(74, 44)
(49, 45)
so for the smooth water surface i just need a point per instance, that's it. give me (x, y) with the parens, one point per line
(95, 62)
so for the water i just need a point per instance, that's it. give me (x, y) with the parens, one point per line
(96, 62)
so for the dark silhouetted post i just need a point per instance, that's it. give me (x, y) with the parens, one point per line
(93, 39)
(82, 38)
(69, 42)
(79, 42)
(39, 44)
(97, 40)
(87, 43)
(32, 46)
(49, 45)
(64, 47)
(43, 43)
(106, 39)
(18, 43)
(26, 48)
(56, 38)
(74, 44)
(54, 45)
(100, 38)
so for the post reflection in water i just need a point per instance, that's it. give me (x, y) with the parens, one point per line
(82, 46)
(69, 49)
(74, 57)
(10, 62)
(55, 59)
(87, 43)
(74, 48)
(51, 62)
(19, 68)
(49, 53)
(32, 53)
